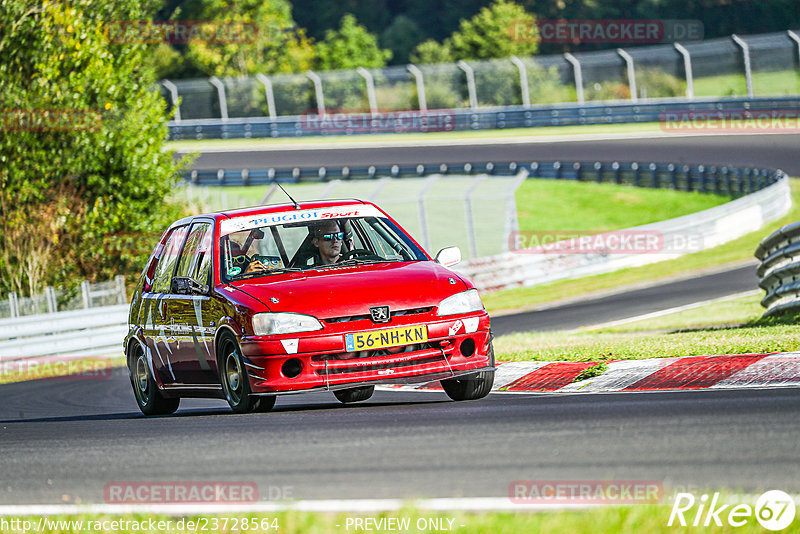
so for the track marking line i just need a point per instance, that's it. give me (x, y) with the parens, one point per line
(322, 506)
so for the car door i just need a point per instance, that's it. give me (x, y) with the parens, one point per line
(192, 313)
(158, 329)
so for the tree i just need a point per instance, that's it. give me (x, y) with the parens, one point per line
(401, 37)
(318, 16)
(81, 159)
(493, 33)
(349, 47)
(432, 52)
(269, 41)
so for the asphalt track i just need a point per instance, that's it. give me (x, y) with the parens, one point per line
(632, 303)
(747, 150)
(63, 441)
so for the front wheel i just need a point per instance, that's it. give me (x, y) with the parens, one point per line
(346, 396)
(235, 383)
(148, 397)
(473, 386)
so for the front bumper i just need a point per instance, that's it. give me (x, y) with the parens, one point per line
(325, 364)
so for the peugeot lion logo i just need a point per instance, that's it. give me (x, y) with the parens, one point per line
(379, 314)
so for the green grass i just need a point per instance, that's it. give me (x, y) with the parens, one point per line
(735, 251)
(732, 326)
(764, 84)
(720, 313)
(604, 346)
(649, 518)
(594, 208)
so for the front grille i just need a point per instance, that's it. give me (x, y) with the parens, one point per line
(398, 313)
(344, 356)
(379, 366)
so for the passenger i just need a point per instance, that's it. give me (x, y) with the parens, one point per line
(240, 260)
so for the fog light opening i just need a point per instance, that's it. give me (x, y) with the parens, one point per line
(467, 347)
(292, 368)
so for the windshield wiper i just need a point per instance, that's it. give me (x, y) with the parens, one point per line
(266, 272)
(358, 261)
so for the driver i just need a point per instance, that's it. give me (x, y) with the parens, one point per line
(327, 237)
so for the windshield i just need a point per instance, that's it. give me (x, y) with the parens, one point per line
(297, 246)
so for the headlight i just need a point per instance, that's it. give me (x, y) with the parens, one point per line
(464, 302)
(267, 324)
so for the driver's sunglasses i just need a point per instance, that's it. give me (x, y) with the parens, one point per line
(337, 236)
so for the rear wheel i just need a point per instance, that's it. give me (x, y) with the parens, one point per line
(148, 397)
(235, 383)
(473, 386)
(358, 394)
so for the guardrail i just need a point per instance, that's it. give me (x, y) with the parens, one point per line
(720, 179)
(481, 119)
(70, 335)
(779, 271)
(704, 230)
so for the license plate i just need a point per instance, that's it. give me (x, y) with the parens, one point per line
(391, 337)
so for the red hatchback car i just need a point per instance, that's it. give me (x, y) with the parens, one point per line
(249, 304)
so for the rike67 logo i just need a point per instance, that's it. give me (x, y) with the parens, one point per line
(774, 510)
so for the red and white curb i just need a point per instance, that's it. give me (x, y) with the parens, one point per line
(690, 372)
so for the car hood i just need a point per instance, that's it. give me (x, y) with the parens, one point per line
(349, 291)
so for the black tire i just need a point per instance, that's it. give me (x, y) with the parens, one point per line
(148, 397)
(473, 386)
(346, 396)
(265, 403)
(234, 380)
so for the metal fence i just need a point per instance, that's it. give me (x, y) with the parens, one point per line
(471, 205)
(88, 295)
(779, 271)
(739, 66)
(676, 115)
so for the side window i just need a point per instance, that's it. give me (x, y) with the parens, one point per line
(167, 261)
(196, 257)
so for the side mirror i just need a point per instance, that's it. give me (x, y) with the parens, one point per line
(182, 285)
(448, 256)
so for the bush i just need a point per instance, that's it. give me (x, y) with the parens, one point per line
(655, 83)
